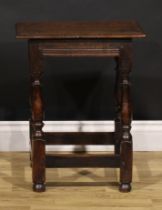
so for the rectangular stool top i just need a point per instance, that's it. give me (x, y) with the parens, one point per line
(78, 29)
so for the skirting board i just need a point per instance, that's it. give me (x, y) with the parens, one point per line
(14, 135)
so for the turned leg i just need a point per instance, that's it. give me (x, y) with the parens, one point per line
(31, 139)
(125, 62)
(36, 123)
(117, 94)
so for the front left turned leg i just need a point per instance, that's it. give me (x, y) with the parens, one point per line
(38, 143)
(126, 117)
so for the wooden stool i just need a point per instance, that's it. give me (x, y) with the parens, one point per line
(81, 39)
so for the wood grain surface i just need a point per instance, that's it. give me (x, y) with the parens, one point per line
(72, 29)
(88, 189)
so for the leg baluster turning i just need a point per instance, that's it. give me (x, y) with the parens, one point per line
(126, 116)
(36, 123)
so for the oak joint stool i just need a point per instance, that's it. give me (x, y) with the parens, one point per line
(81, 39)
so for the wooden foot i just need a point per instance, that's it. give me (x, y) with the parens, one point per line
(39, 187)
(125, 187)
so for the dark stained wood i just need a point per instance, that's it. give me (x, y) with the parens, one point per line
(80, 53)
(79, 48)
(117, 96)
(125, 66)
(82, 160)
(79, 138)
(97, 39)
(76, 30)
(36, 122)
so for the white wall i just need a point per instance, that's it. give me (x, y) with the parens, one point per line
(14, 136)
